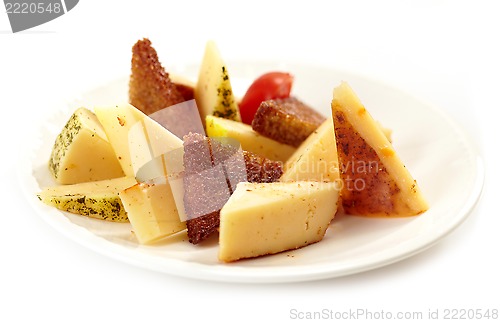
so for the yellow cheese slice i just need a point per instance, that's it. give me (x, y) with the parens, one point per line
(315, 159)
(249, 139)
(267, 218)
(136, 138)
(151, 211)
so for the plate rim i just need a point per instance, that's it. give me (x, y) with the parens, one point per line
(221, 272)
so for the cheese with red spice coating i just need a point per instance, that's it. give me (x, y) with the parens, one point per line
(375, 180)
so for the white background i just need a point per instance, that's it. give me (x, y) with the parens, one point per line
(444, 52)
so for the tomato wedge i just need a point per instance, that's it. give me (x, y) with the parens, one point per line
(272, 85)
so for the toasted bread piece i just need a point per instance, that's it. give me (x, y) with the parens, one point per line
(288, 121)
(184, 85)
(208, 187)
(150, 88)
(262, 170)
(376, 182)
(185, 90)
(200, 228)
(205, 189)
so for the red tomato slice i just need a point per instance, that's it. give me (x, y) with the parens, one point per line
(272, 85)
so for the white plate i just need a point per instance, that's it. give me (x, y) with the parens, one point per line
(438, 154)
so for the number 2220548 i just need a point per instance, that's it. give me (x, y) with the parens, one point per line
(40, 7)
(470, 314)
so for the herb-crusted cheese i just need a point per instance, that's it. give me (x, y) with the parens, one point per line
(267, 218)
(97, 199)
(213, 92)
(226, 107)
(82, 153)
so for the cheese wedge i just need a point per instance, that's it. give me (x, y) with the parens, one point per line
(151, 211)
(375, 180)
(267, 218)
(213, 92)
(316, 158)
(71, 161)
(135, 138)
(249, 139)
(97, 199)
(387, 132)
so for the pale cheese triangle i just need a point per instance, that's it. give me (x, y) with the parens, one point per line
(315, 159)
(375, 180)
(267, 218)
(151, 211)
(135, 138)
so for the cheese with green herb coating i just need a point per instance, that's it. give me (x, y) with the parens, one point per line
(213, 92)
(97, 199)
(82, 153)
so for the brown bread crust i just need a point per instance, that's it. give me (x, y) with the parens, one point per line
(288, 121)
(150, 88)
(200, 154)
(262, 170)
